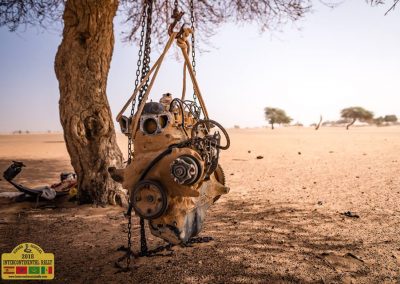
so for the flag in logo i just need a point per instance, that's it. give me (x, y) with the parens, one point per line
(9, 270)
(47, 270)
(34, 269)
(21, 269)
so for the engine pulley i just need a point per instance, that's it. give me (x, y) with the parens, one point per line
(149, 199)
(185, 170)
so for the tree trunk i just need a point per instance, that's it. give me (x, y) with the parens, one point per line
(272, 126)
(81, 65)
(351, 123)
(319, 123)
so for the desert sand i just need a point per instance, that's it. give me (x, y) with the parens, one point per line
(282, 221)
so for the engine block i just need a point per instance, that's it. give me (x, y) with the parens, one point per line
(174, 175)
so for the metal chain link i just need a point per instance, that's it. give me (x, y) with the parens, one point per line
(192, 20)
(147, 51)
(139, 63)
(143, 243)
(145, 37)
(167, 13)
(129, 252)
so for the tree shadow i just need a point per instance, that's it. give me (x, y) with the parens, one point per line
(255, 241)
(275, 243)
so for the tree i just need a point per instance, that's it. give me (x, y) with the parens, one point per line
(355, 113)
(317, 126)
(391, 118)
(81, 65)
(276, 115)
(379, 120)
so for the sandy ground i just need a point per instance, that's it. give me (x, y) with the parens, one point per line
(281, 222)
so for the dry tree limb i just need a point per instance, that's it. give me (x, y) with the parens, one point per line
(15, 13)
(392, 7)
(208, 14)
(383, 2)
(319, 123)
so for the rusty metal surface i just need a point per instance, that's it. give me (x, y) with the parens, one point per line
(153, 160)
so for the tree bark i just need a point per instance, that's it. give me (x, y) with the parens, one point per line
(351, 123)
(272, 126)
(81, 65)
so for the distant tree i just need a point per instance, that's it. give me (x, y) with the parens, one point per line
(342, 121)
(326, 123)
(379, 120)
(317, 126)
(390, 118)
(355, 113)
(276, 115)
(236, 126)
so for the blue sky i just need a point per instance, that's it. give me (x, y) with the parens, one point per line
(333, 58)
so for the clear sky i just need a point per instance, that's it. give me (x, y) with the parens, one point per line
(332, 59)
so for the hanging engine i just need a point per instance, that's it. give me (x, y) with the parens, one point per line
(174, 175)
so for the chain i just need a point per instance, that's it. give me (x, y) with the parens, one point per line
(167, 13)
(199, 240)
(143, 62)
(147, 51)
(192, 20)
(143, 243)
(129, 252)
(139, 63)
(145, 38)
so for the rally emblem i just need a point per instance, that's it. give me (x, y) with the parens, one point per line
(27, 261)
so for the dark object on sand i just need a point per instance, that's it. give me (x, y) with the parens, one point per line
(350, 214)
(62, 188)
(12, 171)
(260, 157)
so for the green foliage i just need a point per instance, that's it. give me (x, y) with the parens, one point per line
(276, 115)
(357, 113)
(390, 118)
(379, 120)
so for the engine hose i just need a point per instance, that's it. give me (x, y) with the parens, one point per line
(182, 112)
(162, 155)
(205, 121)
(193, 108)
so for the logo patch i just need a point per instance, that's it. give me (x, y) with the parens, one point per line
(27, 261)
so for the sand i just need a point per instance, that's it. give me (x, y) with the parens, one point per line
(282, 221)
